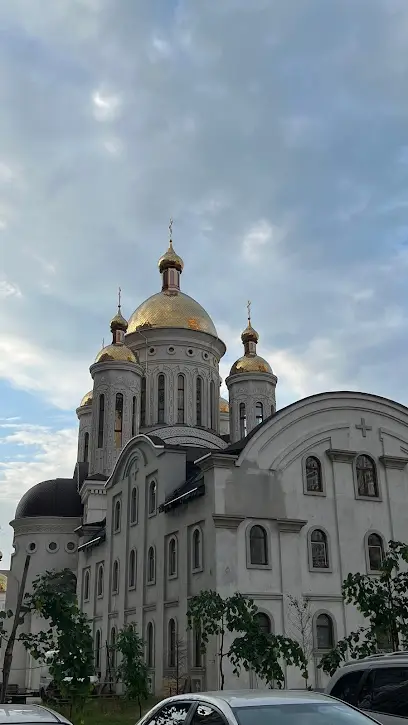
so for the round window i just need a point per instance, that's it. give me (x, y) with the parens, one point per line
(152, 350)
(171, 350)
(52, 546)
(32, 547)
(71, 546)
(190, 351)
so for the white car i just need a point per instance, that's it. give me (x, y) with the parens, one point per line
(254, 707)
(33, 714)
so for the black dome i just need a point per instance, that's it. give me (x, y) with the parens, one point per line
(58, 497)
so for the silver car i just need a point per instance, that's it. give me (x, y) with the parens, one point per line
(35, 714)
(254, 707)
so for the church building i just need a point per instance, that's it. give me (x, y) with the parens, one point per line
(176, 490)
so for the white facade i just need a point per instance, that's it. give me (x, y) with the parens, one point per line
(169, 502)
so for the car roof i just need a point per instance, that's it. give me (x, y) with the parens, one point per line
(390, 659)
(253, 698)
(28, 714)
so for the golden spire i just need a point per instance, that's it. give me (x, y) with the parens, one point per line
(249, 334)
(170, 259)
(118, 322)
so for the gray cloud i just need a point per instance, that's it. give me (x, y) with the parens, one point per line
(274, 133)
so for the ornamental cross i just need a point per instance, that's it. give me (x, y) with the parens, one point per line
(171, 229)
(119, 297)
(363, 427)
(249, 310)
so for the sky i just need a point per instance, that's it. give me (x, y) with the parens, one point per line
(274, 133)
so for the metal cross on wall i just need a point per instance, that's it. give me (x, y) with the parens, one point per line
(363, 427)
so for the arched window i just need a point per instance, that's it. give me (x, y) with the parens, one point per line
(197, 546)
(113, 647)
(98, 647)
(259, 413)
(150, 645)
(324, 632)
(132, 569)
(180, 399)
(86, 447)
(134, 409)
(99, 581)
(314, 480)
(212, 406)
(367, 484)
(375, 552)
(101, 420)
(161, 396)
(117, 516)
(118, 420)
(197, 648)
(87, 580)
(258, 546)
(151, 566)
(242, 420)
(172, 553)
(152, 497)
(199, 401)
(115, 577)
(143, 403)
(172, 634)
(133, 505)
(319, 549)
(263, 622)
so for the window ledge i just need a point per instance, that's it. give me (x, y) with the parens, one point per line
(375, 499)
(268, 567)
(315, 493)
(321, 569)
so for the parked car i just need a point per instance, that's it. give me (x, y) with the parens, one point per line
(378, 685)
(33, 714)
(254, 707)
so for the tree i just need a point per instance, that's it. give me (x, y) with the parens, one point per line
(177, 664)
(18, 619)
(301, 624)
(68, 636)
(132, 669)
(253, 649)
(383, 601)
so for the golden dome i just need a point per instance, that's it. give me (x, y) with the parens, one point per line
(170, 259)
(251, 364)
(118, 322)
(171, 310)
(249, 334)
(224, 405)
(87, 399)
(119, 353)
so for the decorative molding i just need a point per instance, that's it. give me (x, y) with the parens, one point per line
(290, 526)
(171, 603)
(263, 595)
(113, 615)
(227, 521)
(341, 456)
(149, 607)
(130, 610)
(214, 460)
(27, 526)
(322, 597)
(397, 462)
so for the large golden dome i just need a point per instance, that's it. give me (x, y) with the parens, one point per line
(224, 405)
(173, 309)
(119, 353)
(251, 364)
(87, 399)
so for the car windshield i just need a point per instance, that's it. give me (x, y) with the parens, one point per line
(304, 713)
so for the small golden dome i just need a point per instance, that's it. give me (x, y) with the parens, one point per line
(251, 364)
(171, 310)
(87, 399)
(224, 405)
(170, 259)
(249, 334)
(118, 353)
(118, 322)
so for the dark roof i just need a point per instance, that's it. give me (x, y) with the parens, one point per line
(58, 497)
(97, 477)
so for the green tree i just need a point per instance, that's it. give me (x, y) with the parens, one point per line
(251, 648)
(53, 597)
(132, 669)
(383, 601)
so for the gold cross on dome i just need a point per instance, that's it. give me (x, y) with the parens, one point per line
(119, 297)
(171, 229)
(249, 310)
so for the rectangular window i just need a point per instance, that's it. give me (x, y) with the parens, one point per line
(134, 416)
(118, 420)
(143, 403)
(101, 420)
(180, 399)
(161, 391)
